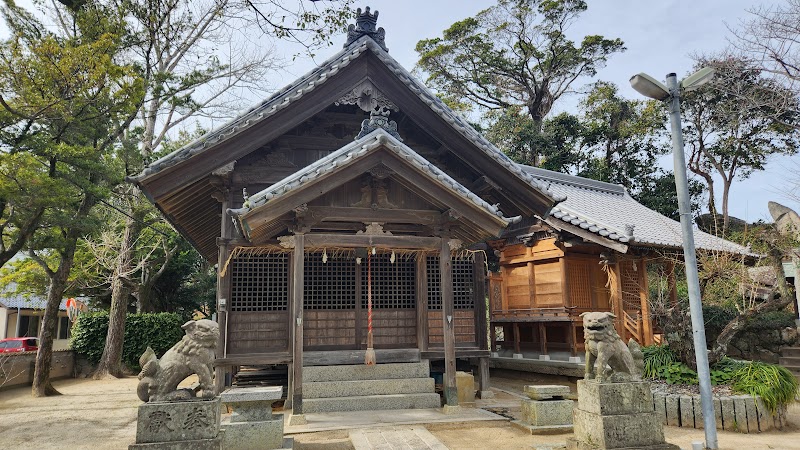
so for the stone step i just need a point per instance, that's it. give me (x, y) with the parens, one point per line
(363, 372)
(372, 403)
(355, 388)
(792, 352)
(789, 361)
(794, 369)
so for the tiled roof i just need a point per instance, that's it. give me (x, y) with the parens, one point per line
(318, 76)
(351, 153)
(609, 211)
(14, 301)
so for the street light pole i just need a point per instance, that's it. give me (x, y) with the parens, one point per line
(690, 257)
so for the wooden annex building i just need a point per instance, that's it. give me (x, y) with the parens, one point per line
(357, 181)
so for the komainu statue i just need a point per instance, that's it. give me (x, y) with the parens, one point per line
(604, 347)
(194, 354)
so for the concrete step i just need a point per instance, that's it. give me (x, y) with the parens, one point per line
(355, 388)
(363, 372)
(793, 352)
(371, 403)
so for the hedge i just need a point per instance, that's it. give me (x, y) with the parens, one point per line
(158, 330)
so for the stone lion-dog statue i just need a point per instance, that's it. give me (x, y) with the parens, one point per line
(194, 354)
(604, 347)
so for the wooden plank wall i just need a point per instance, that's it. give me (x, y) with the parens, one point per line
(464, 328)
(391, 328)
(329, 328)
(257, 332)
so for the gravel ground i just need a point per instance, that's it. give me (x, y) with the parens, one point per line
(102, 415)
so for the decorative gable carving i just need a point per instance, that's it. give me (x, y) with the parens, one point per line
(368, 98)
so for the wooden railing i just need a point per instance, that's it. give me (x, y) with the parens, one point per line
(634, 326)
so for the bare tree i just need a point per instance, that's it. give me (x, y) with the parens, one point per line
(769, 38)
(198, 57)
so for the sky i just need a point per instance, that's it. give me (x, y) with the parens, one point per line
(660, 38)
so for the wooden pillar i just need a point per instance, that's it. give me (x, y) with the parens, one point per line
(298, 262)
(571, 338)
(542, 338)
(516, 338)
(223, 288)
(483, 372)
(647, 323)
(448, 319)
(673, 290)
(482, 322)
(493, 338)
(422, 301)
(618, 308)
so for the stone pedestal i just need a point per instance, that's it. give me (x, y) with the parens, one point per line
(252, 424)
(546, 411)
(178, 425)
(616, 416)
(465, 384)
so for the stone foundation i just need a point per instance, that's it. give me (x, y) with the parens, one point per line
(546, 411)
(616, 416)
(252, 424)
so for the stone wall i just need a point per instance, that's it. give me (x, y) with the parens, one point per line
(762, 345)
(742, 413)
(16, 369)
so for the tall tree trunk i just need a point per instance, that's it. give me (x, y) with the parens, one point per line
(55, 292)
(726, 189)
(41, 375)
(111, 361)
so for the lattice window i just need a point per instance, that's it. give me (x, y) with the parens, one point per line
(580, 286)
(331, 284)
(463, 282)
(259, 283)
(629, 276)
(393, 284)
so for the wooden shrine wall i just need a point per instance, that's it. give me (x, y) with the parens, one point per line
(335, 302)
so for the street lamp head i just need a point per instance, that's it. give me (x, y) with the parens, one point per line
(697, 79)
(649, 87)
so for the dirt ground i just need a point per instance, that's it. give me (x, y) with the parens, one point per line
(102, 415)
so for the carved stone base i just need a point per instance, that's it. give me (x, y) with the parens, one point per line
(178, 423)
(197, 444)
(616, 416)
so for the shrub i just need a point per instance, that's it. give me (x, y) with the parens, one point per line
(655, 358)
(678, 373)
(776, 386)
(157, 330)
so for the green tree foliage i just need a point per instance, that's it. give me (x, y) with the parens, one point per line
(514, 55)
(160, 331)
(67, 100)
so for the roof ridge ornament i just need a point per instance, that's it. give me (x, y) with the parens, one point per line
(379, 119)
(365, 26)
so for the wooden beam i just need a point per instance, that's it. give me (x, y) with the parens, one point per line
(298, 261)
(422, 301)
(439, 354)
(223, 296)
(479, 292)
(380, 241)
(647, 322)
(448, 323)
(366, 215)
(254, 359)
(350, 357)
